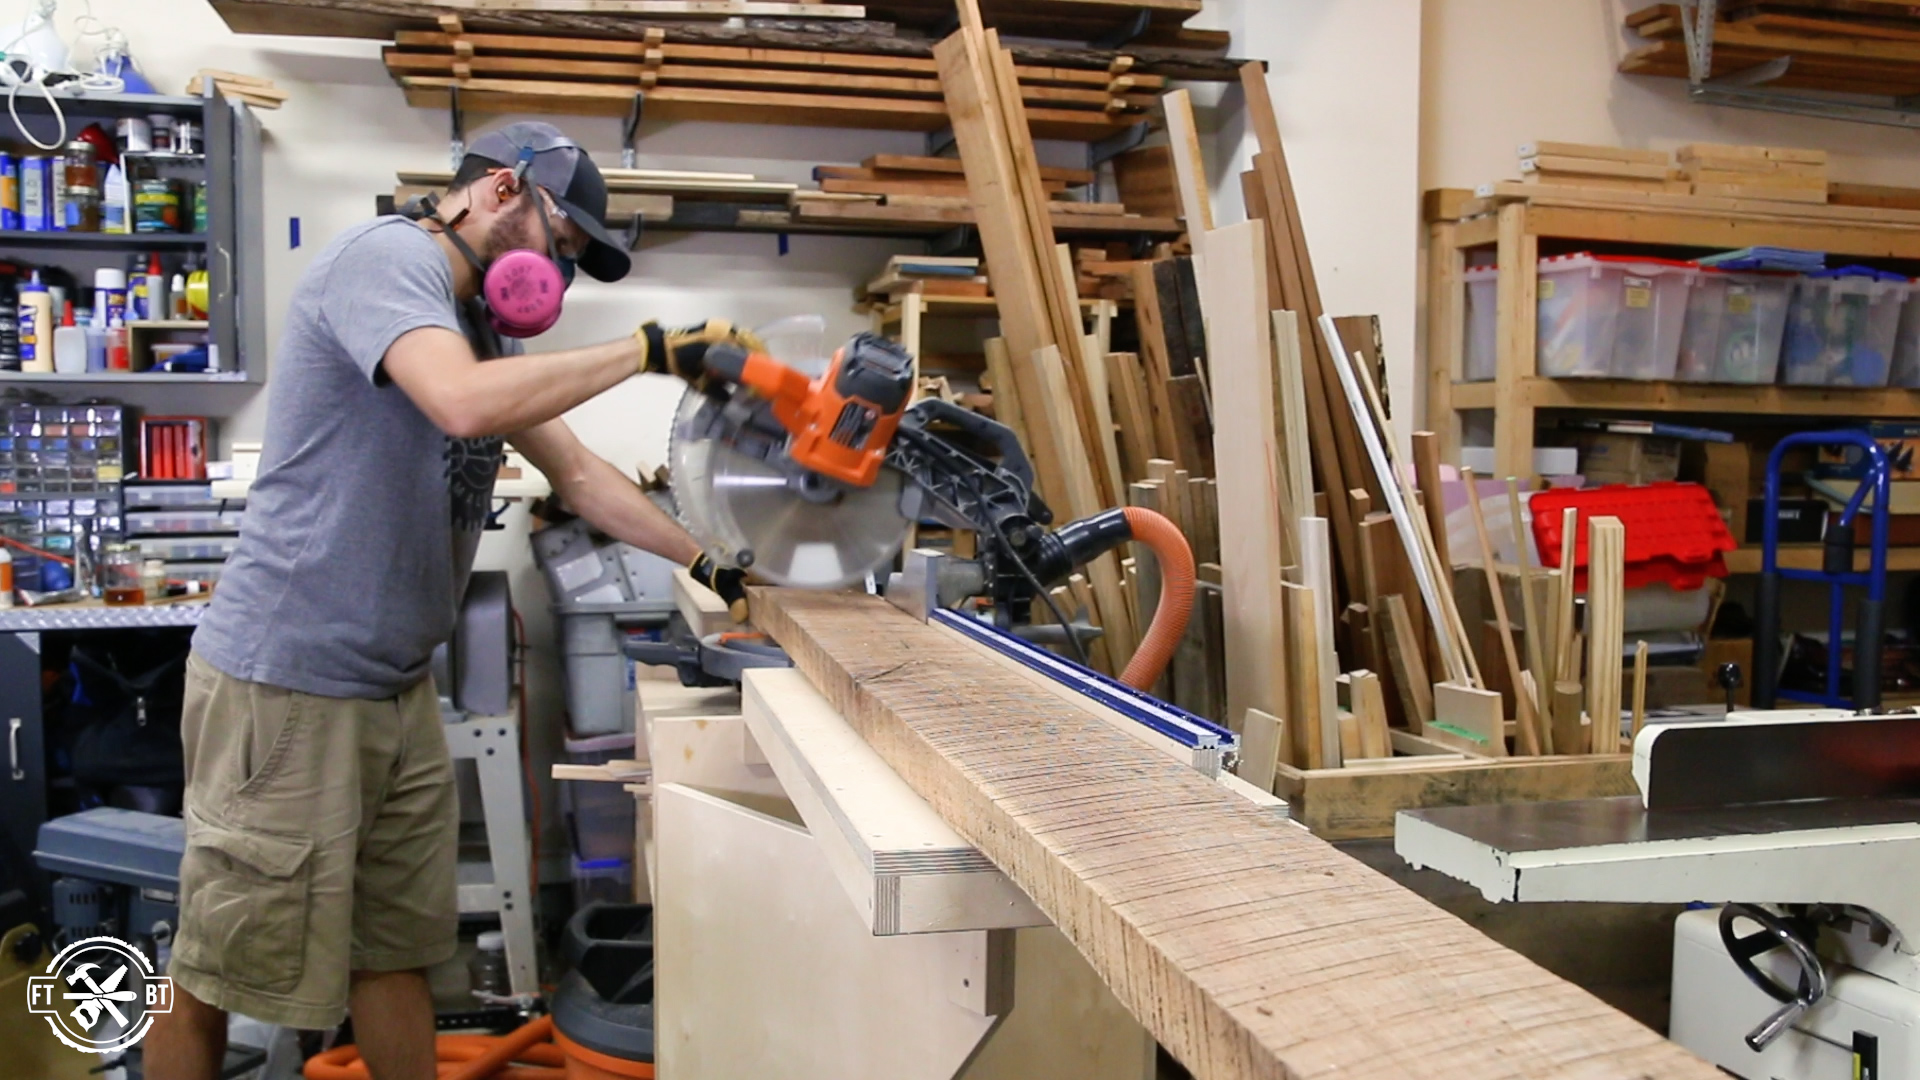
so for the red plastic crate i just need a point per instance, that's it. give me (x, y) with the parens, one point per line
(1675, 534)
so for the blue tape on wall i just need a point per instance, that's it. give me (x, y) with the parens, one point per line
(293, 232)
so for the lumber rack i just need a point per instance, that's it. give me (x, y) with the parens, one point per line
(1514, 220)
(1748, 87)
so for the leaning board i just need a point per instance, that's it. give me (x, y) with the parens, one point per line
(1245, 945)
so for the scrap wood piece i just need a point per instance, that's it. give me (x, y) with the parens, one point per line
(1536, 627)
(1261, 741)
(1409, 667)
(1009, 248)
(1434, 589)
(1132, 413)
(1264, 192)
(1316, 571)
(1309, 724)
(1606, 604)
(1135, 855)
(1530, 740)
(1246, 452)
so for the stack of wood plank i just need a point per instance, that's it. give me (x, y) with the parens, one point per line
(1611, 167)
(1049, 374)
(1784, 173)
(1848, 46)
(1162, 48)
(1717, 176)
(595, 76)
(254, 90)
(925, 275)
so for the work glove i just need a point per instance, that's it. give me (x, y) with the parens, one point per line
(730, 584)
(684, 352)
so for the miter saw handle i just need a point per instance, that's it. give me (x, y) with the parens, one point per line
(1006, 444)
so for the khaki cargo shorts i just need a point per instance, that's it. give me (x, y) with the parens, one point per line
(321, 836)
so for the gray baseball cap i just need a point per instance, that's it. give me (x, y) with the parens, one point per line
(558, 164)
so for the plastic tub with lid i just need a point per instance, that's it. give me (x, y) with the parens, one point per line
(1481, 323)
(1842, 326)
(1733, 326)
(1906, 349)
(1754, 322)
(1611, 316)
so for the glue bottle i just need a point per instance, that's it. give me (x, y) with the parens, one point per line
(69, 345)
(36, 326)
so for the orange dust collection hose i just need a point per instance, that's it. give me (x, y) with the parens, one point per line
(1163, 538)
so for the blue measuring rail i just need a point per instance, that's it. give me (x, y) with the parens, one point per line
(1183, 727)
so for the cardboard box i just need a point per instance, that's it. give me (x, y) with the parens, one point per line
(1899, 438)
(1729, 473)
(1609, 458)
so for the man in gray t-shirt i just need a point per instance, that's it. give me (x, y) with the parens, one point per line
(321, 817)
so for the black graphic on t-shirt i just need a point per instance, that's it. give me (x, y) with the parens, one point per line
(471, 466)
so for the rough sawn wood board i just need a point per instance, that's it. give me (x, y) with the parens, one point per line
(1245, 945)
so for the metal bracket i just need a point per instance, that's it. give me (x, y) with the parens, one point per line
(458, 139)
(1757, 75)
(1697, 19)
(939, 142)
(1124, 33)
(629, 132)
(1746, 89)
(1130, 138)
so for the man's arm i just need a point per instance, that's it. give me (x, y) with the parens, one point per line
(598, 492)
(466, 398)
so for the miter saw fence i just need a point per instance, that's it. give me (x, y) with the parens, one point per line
(814, 481)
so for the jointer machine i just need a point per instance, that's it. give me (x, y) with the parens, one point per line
(1794, 837)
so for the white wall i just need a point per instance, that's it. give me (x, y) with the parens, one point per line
(1345, 80)
(1497, 73)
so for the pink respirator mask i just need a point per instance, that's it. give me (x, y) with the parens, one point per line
(523, 290)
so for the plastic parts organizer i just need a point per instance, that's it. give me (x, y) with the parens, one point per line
(1675, 534)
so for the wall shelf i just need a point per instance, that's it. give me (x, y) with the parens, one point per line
(1513, 219)
(122, 378)
(100, 241)
(1540, 392)
(1746, 560)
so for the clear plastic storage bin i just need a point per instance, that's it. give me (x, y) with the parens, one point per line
(1611, 316)
(1733, 328)
(1755, 324)
(602, 812)
(1906, 349)
(1481, 322)
(1842, 326)
(610, 880)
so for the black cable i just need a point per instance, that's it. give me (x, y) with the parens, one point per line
(1073, 639)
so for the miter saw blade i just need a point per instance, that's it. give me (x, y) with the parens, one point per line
(790, 528)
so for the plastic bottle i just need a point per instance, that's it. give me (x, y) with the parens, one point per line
(110, 296)
(139, 306)
(487, 969)
(159, 304)
(36, 326)
(9, 325)
(6, 578)
(117, 358)
(69, 345)
(115, 215)
(177, 298)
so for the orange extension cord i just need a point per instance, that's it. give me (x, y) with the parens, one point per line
(468, 1057)
(1163, 538)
